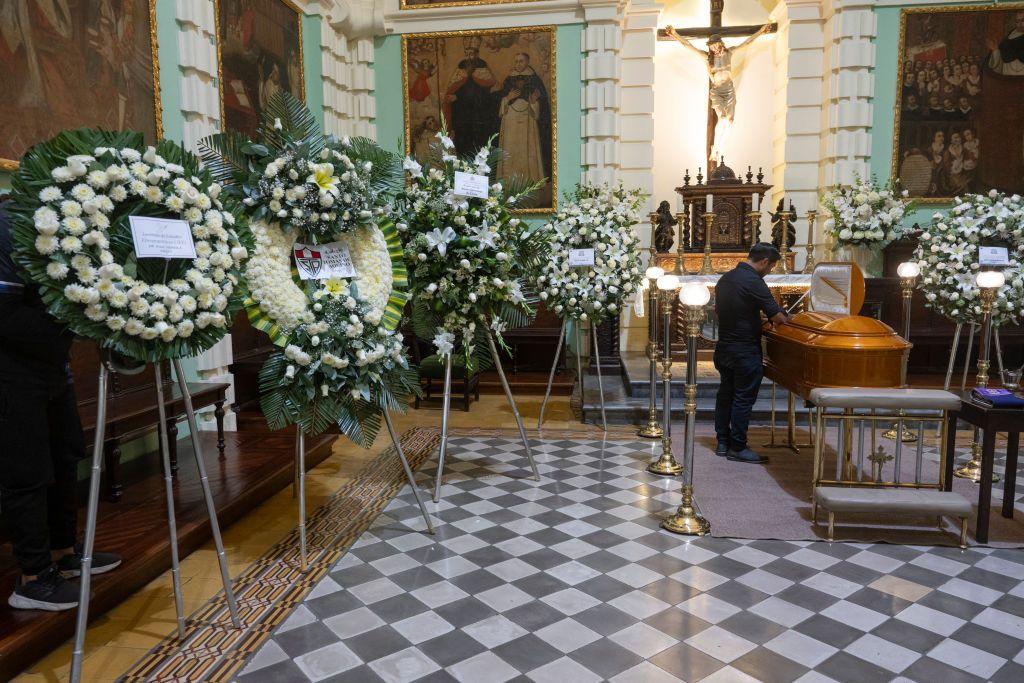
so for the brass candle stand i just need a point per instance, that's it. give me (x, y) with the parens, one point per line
(706, 266)
(687, 518)
(972, 468)
(809, 264)
(755, 227)
(908, 273)
(652, 430)
(784, 218)
(683, 225)
(666, 465)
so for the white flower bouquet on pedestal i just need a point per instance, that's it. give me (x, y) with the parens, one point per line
(600, 219)
(864, 214)
(72, 197)
(468, 257)
(948, 255)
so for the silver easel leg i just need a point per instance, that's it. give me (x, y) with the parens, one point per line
(211, 510)
(300, 466)
(579, 370)
(172, 523)
(999, 352)
(600, 384)
(967, 358)
(82, 618)
(551, 377)
(408, 471)
(512, 403)
(445, 406)
(949, 370)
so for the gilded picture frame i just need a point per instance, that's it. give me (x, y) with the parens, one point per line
(952, 53)
(512, 79)
(121, 70)
(248, 88)
(427, 4)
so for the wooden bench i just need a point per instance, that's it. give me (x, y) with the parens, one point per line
(905, 501)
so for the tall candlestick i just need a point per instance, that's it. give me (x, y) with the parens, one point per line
(710, 200)
(706, 266)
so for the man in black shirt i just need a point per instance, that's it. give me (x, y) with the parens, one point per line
(741, 296)
(41, 442)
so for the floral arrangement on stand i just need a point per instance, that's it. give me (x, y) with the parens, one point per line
(72, 198)
(947, 253)
(470, 259)
(342, 360)
(601, 219)
(865, 213)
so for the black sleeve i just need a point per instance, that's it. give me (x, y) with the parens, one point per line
(23, 318)
(765, 301)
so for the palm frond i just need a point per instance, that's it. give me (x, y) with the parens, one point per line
(225, 156)
(297, 124)
(386, 174)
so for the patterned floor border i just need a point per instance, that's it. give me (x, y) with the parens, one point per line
(272, 586)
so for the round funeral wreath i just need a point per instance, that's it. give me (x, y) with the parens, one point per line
(73, 196)
(601, 219)
(342, 359)
(947, 253)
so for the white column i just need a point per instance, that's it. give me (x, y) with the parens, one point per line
(850, 26)
(799, 67)
(346, 45)
(601, 70)
(200, 107)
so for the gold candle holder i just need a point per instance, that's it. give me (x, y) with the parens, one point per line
(652, 430)
(755, 227)
(809, 264)
(907, 293)
(972, 468)
(666, 465)
(706, 266)
(687, 519)
(785, 217)
(653, 216)
(681, 224)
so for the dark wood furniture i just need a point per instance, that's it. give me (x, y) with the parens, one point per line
(431, 369)
(990, 421)
(533, 346)
(731, 228)
(257, 464)
(132, 409)
(250, 348)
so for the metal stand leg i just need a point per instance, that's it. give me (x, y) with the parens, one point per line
(551, 377)
(445, 406)
(211, 510)
(949, 369)
(967, 358)
(512, 403)
(600, 384)
(300, 464)
(408, 470)
(579, 371)
(82, 618)
(172, 523)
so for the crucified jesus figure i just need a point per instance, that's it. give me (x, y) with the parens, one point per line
(722, 89)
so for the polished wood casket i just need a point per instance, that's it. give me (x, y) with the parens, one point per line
(816, 349)
(826, 346)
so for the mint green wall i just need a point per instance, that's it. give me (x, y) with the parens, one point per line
(391, 118)
(312, 66)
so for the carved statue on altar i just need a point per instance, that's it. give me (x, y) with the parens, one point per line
(664, 233)
(782, 222)
(722, 89)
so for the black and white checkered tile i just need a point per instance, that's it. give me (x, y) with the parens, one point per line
(570, 580)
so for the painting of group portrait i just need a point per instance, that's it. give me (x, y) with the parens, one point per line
(73, 63)
(260, 48)
(484, 84)
(960, 124)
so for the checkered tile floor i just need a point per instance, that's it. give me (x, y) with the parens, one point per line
(570, 580)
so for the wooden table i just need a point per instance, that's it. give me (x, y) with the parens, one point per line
(990, 421)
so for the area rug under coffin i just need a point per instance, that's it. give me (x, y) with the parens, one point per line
(773, 501)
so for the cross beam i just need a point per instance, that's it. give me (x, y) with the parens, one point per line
(724, 31)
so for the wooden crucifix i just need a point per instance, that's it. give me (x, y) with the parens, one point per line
(722, 90)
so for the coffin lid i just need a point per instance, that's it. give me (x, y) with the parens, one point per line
(837, 288)
(836, 330)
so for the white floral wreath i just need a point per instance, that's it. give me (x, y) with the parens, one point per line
(80, 222)
(948, 255)
(602, 219)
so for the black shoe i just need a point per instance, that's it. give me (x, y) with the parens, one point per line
(48, 591)
(71, 564)
(747, 455)
(722, 449)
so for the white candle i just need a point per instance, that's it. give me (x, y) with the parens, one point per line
(710, 201)
(755, 202)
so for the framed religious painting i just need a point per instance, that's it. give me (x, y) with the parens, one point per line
(259, 49)
(959, 118)
(482, 84)
(74, 63)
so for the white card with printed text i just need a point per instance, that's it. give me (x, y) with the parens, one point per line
(471, 185)
(993, 256)
(161, 237)
(581, 257)
(323, 261)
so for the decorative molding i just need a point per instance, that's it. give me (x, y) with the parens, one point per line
(498, 15)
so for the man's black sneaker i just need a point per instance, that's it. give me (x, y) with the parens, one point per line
(71, 564)
(722, 449)
(747, 455)
(48, 591)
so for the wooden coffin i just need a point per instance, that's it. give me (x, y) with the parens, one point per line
(817, 349)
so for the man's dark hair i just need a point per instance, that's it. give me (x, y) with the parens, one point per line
(762, 251)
